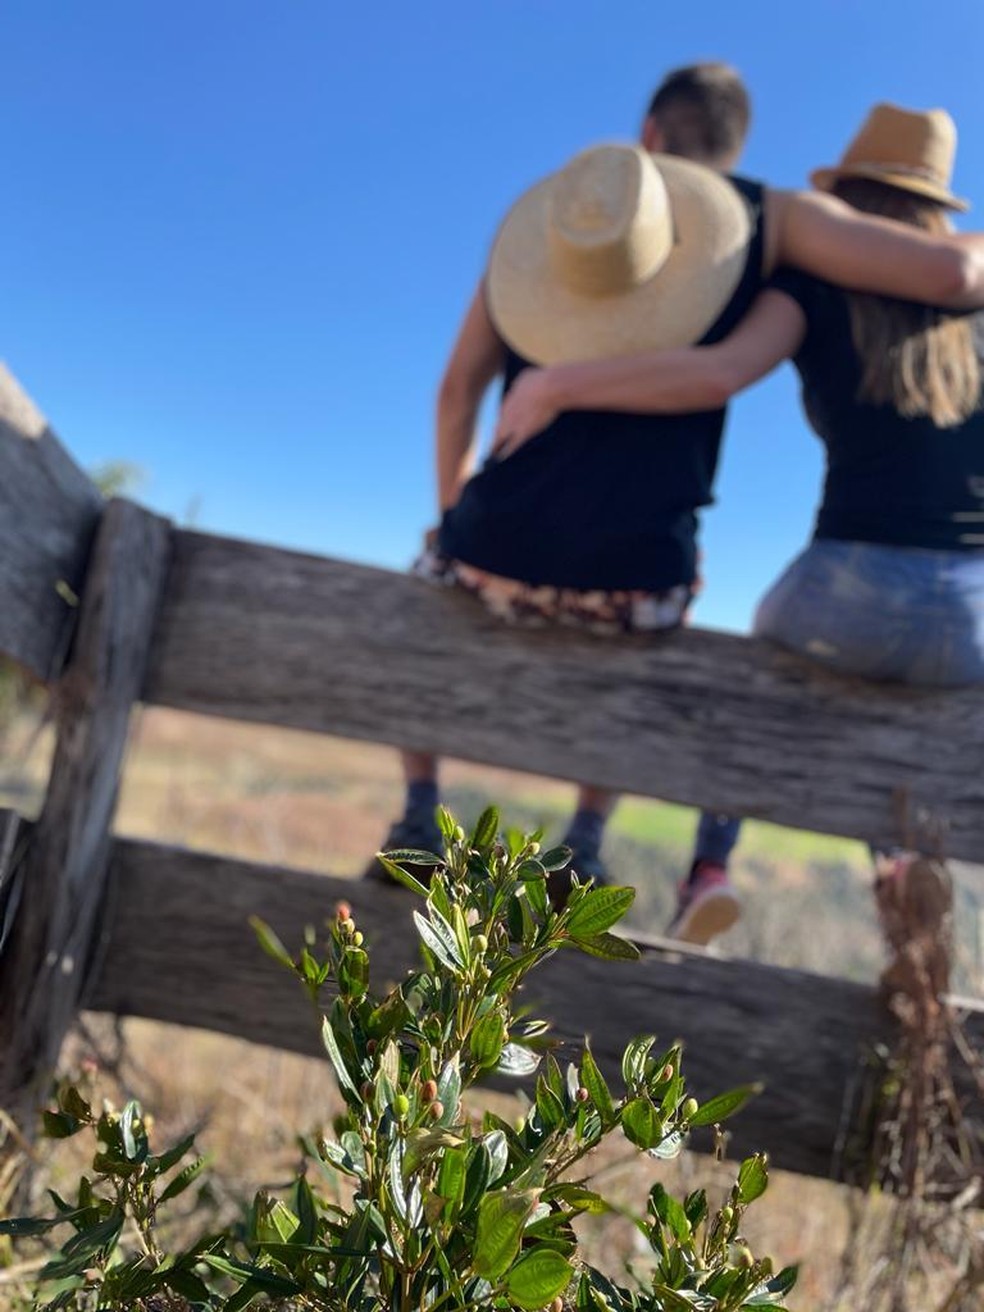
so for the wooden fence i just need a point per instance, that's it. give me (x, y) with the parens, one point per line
(112, 605)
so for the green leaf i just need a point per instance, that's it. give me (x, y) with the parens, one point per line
(486, 828)
(596, 1086)
(438, 936)
(402, 876)
(724, 1105)
(537, 1278)
(556, 859)
(26, 1227)
(78, 1253)
(72, 1102)
(501, 1218)
(634, 1060)
(496, 1145)
(670, 1146)
(270, 943)
(598, 910)
(671, 1212)
(449, 1085)
(608, 946)
(487, 1041)
(516, 1060)
(173, 1155)
(59, 1125)
(183, 1179)
(753, 1178)
(451, 1179)
(641, 1123)
(134, 1138)
(307, 1213)
(335, 1053)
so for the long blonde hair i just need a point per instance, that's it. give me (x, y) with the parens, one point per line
(919, 360)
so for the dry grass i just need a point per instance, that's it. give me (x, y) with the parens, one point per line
(295, 798)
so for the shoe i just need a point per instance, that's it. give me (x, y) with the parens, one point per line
(708, 904)
(413, 832)
(586, 865)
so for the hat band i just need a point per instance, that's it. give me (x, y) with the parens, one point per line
(921, 171)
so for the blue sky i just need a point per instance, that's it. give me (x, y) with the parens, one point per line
(238, 236)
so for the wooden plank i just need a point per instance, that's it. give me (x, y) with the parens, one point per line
(708, 719)
(180, 949)
(48, 513)
(42, 973)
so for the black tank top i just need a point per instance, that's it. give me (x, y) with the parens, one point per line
(892, 480)
(602, 500)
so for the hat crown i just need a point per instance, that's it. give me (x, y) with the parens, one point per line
(923, 144)
(609, 224)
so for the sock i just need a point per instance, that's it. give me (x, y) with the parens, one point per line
(585, 832)
(421, 800)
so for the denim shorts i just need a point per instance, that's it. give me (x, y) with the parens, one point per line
(901, 614)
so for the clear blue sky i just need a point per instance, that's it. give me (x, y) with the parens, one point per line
(238, 236)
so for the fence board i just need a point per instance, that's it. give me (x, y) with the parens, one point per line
(48, 512)
(56, 930)
(709, 719)
(180, 950)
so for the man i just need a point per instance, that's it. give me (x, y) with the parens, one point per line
(698, 113)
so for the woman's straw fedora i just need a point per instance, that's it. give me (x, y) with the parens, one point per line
(902, 148)
(619, 251)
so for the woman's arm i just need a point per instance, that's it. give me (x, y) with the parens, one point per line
(830, 239)
(476, 358)
(658, 382)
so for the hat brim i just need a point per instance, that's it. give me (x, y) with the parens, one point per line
(547, 322)
(824, 180)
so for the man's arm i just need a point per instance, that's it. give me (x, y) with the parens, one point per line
(476, 358)
(830, 239)
(657, 382)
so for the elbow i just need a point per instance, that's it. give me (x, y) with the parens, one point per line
(961, 281)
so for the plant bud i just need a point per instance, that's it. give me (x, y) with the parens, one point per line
(343, 911)
(534, 849)
(666, 1074)
(436, 1110)
(582, 1094)
(481, 943)
(428, 1090)
(367, 1091)
(689, 1108)
(347, 926)
(557, 1305)
(401, 1105)
(371, 1046)
(727, 1215)
(92, 1275)
(357, 938)
(743, 1257)
(459, 834)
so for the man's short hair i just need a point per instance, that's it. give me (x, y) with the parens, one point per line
(703, 111)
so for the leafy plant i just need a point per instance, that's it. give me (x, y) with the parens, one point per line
(446, 1212)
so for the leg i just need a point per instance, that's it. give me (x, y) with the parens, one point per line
(584, 837)
(417, 827)
(708, 903)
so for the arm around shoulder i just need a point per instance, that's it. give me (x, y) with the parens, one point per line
(825, 236)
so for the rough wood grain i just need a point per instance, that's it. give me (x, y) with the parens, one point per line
(180, 950)
(48, 512)
(704, 718)
(42, 973)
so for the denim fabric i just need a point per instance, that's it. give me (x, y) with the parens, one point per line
(901, 614)
(716, 836)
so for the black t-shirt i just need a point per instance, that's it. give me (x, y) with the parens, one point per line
(903, 482)
(602, 500)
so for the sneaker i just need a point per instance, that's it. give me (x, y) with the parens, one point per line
(411, 831)
(708, 904)
(586, 865)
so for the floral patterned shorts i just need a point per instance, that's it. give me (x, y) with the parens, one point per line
(596, 611)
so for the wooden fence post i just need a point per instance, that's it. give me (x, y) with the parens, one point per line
(44, 967)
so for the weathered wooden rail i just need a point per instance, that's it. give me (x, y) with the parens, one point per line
(233, 629)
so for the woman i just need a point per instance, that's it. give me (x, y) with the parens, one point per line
(892, 584)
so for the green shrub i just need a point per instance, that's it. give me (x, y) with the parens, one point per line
(445, 1213)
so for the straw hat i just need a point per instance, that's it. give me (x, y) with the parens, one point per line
(619, 251)
(903, 148)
